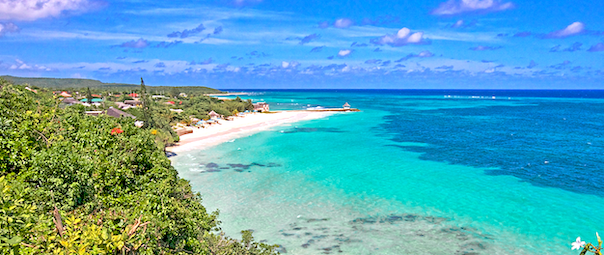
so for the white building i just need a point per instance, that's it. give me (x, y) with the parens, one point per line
(261, 107)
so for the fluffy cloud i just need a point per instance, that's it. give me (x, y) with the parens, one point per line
(204, 62)
(137, 44)
(572, 29)
(458, 24)
(339, 23)
(317, 49)
(532, 64)
(218, 30)
(523, 34)
(343, 23)
(561, 66)
(160, 65)
(9, 27)
(167, 44)
(308, 38)
(453, 7)
(355, 44)
(483, 48)
(423, 54)
(20, 65)
(38, 9)
(344, 53)
(597, 47)
(373, 61)
(575, 47)
(292, 64)
(403, 37)
(187, 32)
(462, 24)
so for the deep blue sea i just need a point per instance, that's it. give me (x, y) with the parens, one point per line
(415, 172)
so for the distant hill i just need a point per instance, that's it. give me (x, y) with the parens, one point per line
(72, 83)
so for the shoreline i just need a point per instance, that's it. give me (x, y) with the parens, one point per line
(228, 94)
(203, 138)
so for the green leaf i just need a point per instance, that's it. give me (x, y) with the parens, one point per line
(14, 241)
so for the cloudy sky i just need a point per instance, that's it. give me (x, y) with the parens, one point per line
(465, 44)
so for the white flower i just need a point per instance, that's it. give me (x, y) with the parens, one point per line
(577, 244)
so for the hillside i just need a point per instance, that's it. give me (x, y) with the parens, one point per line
(71, 183)
(72, 83)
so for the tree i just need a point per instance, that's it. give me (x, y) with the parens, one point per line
(88, 96)
(173, 92)
(249, 106)
(77, 184)
(146, 111)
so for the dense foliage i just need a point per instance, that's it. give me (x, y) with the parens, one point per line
(98, 86)
(77, 184)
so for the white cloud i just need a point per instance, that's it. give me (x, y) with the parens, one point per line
(21, 65)
(572, 29)
(38, 9)
(343, 23)
(285, 64)
(453, 7)
(415, 37)
(458, 24)
(8, 28)
(138, 44)
(402, 37)
(344, 53)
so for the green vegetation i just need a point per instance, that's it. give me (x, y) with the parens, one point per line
(96, 86)
(77, 184)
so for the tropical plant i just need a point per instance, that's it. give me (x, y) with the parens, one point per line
(77, 184)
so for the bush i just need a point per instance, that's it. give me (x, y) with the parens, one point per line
(107, 184)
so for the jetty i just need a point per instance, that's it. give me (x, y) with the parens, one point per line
(330, 110)
(345, 108)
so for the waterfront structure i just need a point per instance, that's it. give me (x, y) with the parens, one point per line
(213, 115)
(261, 107)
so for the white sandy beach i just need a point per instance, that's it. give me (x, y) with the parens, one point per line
(227, 130)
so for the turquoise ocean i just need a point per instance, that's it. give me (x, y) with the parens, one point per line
(415, 172)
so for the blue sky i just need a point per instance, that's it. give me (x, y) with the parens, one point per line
(465, 44)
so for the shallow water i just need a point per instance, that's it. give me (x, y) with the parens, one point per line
(413, 173)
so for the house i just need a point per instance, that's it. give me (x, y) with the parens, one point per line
(118, 114)
(176, 110)
(65, 94)
(123, 106)
(96, 95)
(94, 100)
(94, 113)
(111, 112)
(32, 90)
(158, 96)
(213, 115)
(132, 102)
(170, 102)
(70, 101)
(182, 95)
(133, 95)
(261, 107)
(346, 106)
